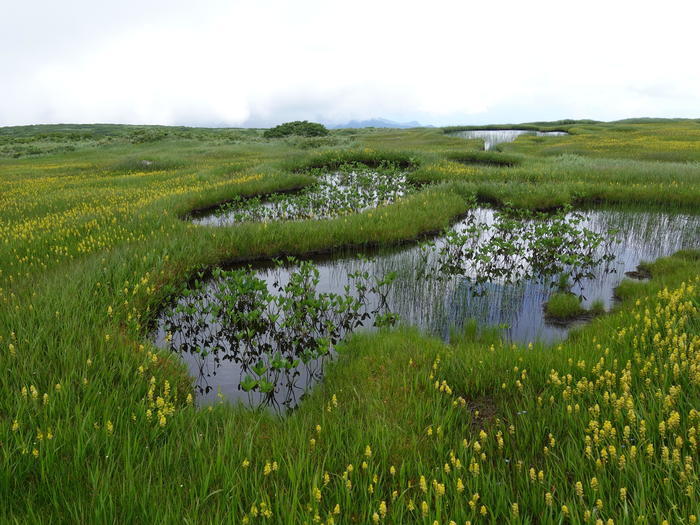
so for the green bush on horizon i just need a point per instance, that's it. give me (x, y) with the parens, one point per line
(303, 128)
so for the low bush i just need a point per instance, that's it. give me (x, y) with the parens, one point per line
(303, 128)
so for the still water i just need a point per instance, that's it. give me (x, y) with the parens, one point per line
(491, 137)
(334, 194)
(438, 306)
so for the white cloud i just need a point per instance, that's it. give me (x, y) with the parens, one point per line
(263, 62)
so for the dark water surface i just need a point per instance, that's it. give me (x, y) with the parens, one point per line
(439, 306)
(491, 137)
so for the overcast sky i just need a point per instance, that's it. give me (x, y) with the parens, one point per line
(216, 62)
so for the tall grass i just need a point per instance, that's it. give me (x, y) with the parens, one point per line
(96, 426)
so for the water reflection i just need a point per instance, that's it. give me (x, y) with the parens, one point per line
(438, 306)
(333, 195)
(491, 137)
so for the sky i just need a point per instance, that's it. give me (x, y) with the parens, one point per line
(260, 63)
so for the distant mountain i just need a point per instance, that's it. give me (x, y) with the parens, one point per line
(378, 123)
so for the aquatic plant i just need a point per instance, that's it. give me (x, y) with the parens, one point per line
(563, 306)
(272, 333)
(518, 245)
(334, 195)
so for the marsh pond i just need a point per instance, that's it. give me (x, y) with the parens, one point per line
(492, 137)
(261, 334)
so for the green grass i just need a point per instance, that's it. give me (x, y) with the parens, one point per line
(91, 244)
(563, 306)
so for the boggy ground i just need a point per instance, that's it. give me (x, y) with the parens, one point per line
(97, 426)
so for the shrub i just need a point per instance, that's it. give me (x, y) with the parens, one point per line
(303, 128)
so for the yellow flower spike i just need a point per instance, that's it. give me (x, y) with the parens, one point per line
(336, 509)
(15, 426)
(423, 484)
(375, 518)
(368, 451)
(392, 470)
(424, 508)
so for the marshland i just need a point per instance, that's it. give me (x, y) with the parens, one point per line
(370, 326)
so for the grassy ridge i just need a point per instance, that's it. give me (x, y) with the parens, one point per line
(95, 426)
(671, 140)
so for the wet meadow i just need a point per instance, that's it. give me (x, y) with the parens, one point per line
(375, 326)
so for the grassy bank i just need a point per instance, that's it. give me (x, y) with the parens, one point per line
(97, 426)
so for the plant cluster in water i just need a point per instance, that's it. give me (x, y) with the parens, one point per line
(340, 193)
(280, 332)
(519, 245)
(279, 337)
